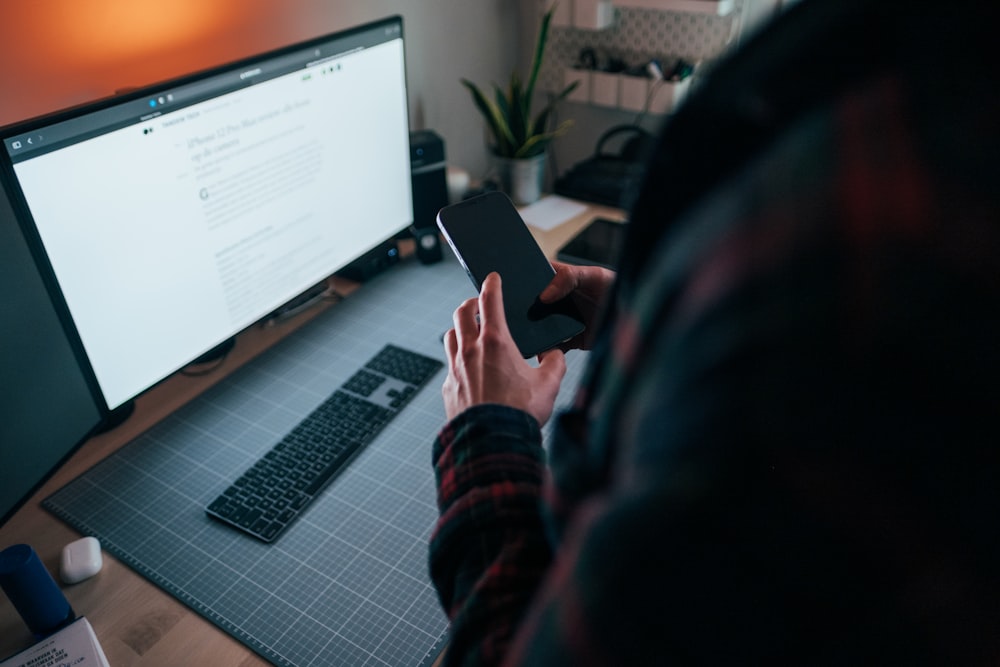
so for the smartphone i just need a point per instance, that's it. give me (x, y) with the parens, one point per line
(487, 234)
(597, 244)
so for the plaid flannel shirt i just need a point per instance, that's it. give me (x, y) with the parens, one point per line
(785, 449)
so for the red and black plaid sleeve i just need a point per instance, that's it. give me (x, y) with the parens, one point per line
(489, 551)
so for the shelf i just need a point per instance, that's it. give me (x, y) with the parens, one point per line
(628, 93)
(715, 7)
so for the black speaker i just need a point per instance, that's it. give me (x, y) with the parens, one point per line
(428, 173)
(372, 263)
(428, 244)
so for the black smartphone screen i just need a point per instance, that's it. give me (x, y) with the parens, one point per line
(597, 244)
(487, 234)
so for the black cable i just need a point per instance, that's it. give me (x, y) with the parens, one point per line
(205, 371)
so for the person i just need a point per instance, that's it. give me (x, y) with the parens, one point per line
(784, 448)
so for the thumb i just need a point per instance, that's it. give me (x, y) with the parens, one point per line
(562, 283)
(552, 364)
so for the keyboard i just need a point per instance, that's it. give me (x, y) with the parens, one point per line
(279, 486)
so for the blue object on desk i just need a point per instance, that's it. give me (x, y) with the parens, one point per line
(34, 592)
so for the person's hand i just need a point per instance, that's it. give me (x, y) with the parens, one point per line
(588, 286)
(485, 365)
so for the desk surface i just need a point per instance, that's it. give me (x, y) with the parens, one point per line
(136, 622)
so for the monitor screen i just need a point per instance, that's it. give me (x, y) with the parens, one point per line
(173, 217)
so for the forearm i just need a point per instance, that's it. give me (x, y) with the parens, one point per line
(489, 551)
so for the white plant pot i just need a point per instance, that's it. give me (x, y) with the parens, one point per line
(522, 179)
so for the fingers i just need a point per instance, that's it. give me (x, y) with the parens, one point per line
(553, 364)
(485, 365)
(491, 312)
(564, 282)
(477, 314)
(465, 318)
(450, 344)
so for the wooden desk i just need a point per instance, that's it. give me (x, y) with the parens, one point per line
(136, 622)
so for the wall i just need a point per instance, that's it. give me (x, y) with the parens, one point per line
(635, 36)
(59, 53)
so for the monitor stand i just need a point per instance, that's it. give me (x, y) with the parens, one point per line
(117, 417)
(217, 353)
(311, 297)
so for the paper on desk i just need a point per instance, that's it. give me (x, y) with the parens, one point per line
(550, 212)
(76, 645)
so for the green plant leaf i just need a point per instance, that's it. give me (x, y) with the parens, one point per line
(536, 62)
(538, 142)
(508, 114)
(495, 120)
(506, 143)
(542, 120)
(519, 122)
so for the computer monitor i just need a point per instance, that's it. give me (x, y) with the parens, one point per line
(173, 217)
(166, 220)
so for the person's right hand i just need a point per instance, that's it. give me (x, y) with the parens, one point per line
(485, 366)
(588, 286)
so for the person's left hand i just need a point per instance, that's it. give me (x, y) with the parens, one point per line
(485, 365)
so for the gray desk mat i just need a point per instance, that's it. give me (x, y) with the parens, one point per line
(347, 584)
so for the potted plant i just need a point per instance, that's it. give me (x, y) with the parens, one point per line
(519, 139)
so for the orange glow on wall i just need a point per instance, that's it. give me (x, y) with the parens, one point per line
(96, 32)
(58, 53)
